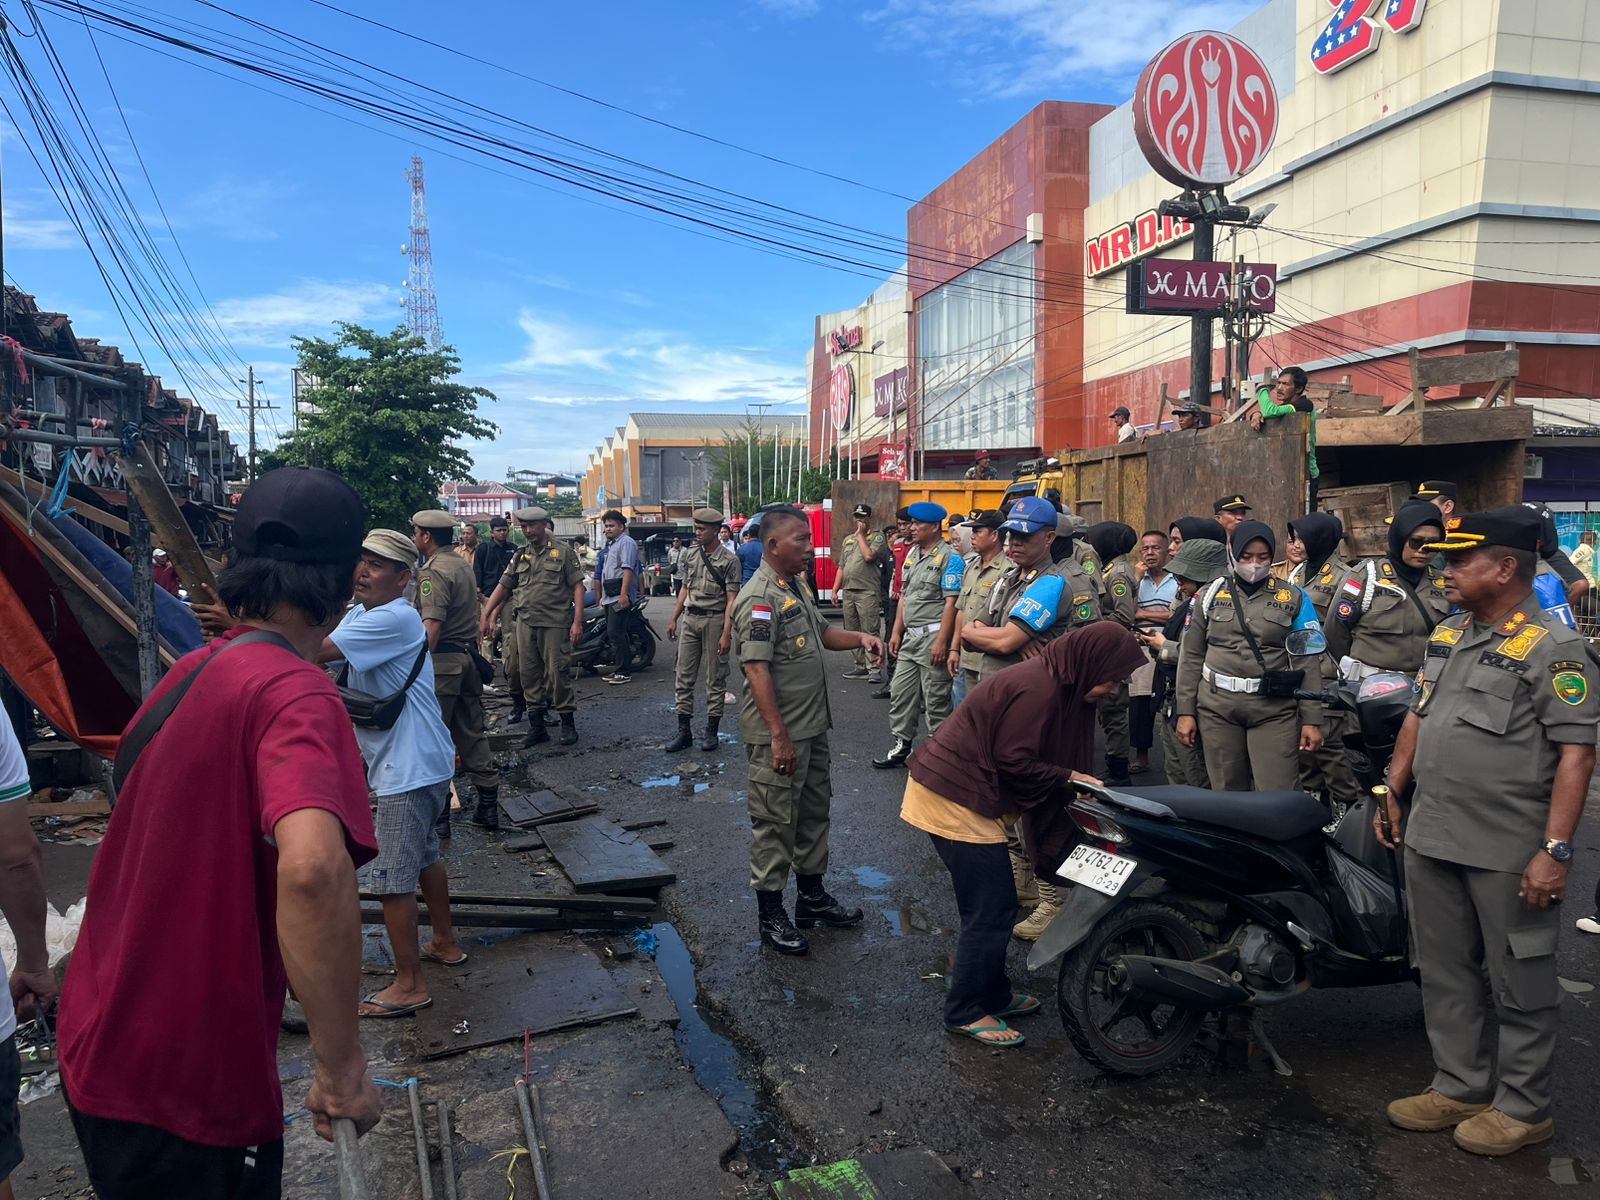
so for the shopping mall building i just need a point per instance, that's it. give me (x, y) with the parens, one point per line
(1436, 183)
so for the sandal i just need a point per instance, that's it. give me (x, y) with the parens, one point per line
(976, 1032)
(389, 1010)
(1022, 1005)
(449, 962)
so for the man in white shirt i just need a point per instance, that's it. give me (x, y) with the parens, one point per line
(1122, 420)
(22, 900)
(409, 766)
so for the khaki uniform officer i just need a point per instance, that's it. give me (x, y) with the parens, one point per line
(702, 625)
(985, 566)
(447, 601)
(1238, 632)
(1387, 607)
(1500, 744)
(1326, 772)
(785, 720)
(543, 586)
(924, 624)
(861, 560)
(1111, 542)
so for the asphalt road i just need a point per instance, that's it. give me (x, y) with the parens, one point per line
(853, 1056)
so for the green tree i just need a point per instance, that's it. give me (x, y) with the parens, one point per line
(760, 469)
(386, 416)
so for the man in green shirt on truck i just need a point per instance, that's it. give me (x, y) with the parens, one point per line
(1288, 395)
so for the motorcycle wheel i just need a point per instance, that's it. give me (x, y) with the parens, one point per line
(644, 648)
(1114, 1030)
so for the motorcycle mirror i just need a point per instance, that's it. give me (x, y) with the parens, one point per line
(1303, 643)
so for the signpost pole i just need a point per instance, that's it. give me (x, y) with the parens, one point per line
(1205, 250)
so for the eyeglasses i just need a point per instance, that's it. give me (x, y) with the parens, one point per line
(1418, 543)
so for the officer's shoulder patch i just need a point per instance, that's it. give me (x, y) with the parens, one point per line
(1327, 572)
(1446, 634)
(1118, 588)
(425, 588)
(760, 623)
(1346, 610)
(1571, 687)
(1513, 623)
(1565, 665)
(1521, 643)
(1388, 570)
(1083, 612)
(1080, 599)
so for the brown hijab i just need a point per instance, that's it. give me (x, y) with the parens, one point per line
(1014, 742)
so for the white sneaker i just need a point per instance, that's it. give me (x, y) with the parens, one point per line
(1589, 924)
(618, 677)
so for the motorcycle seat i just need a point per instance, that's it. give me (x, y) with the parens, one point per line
(1274, 816)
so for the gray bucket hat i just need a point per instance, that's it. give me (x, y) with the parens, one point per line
(1200, 561)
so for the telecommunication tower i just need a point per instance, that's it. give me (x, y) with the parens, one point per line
(422, 306)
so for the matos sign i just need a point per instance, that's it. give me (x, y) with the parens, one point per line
(1133, 240)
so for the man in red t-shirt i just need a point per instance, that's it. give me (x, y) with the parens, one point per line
(228, 871)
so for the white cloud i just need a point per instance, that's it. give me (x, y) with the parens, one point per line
(39, 233)
(1012, 47)
(307, 309)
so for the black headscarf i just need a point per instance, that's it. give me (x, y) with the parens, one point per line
(1111, 540)
(1320, 534)
(1413, 515)
(1243, 534)
(1203, 528)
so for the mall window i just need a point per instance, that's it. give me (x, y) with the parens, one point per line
(974, 339)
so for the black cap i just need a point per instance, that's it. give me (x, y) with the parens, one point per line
(300, 514)
(1431, 489)
(1232, 502)
(499, 523)
(1190, 407)
(984, 518)
(1515, 527)
(862, 510)
(1119, 411)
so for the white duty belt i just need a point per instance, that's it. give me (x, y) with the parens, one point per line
(918, 630)
(1230, 683)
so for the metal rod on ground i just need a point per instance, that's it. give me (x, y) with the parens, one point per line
(530, 1129)
(447, 1153)
(424, 1172)
(352, 1176)
(144, 597)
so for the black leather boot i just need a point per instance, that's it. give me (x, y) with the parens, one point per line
(898, 753)
(815, 907)
(709, 742)
(519, 706)
(1117, 772)
(486, 814)
(569, 729)
(536, 731)
(777, 930)
(685, 737)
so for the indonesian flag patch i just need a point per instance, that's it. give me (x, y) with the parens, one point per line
(760, 623)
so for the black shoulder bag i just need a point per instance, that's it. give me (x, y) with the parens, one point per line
(378, 712)
(1277, 685)
(136, 739)
(720, 576)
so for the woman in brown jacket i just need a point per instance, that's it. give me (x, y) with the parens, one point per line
(1007, 754)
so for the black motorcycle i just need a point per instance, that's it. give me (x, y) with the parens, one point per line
(1190, 902)
(594, 647)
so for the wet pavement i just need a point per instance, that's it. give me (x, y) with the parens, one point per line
(849, 1057)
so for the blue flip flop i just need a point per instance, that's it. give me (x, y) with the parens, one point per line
(1016, 1039)
(1022, 1005)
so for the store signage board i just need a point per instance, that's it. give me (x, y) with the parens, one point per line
(1357, 28)
(844, 339)
(891, 393)
(1133, 240)
(841, 395)
(1182, 287)
(1205, 110)
(891, 461)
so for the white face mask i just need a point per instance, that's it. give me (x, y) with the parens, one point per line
(1252, 572)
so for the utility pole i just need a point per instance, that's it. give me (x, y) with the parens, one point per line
(252, 407)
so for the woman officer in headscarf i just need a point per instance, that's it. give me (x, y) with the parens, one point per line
(1237, 679)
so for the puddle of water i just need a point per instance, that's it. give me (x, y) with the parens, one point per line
(662, 781)
(871, 878)
(1569, 1172)
(719, 1067)
(701, 787)
(909, 920)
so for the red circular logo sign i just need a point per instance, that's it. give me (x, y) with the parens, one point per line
(1205, 110)
(841, 394)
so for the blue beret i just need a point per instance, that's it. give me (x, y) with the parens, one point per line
(927, 512)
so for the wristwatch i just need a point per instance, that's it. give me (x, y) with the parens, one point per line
(1560, 851)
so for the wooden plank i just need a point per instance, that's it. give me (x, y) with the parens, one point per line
(569, 903)
(79, 508)
(1386, 430)
(1188, 470)
(539, 987)
(542, 807)
(1453, 370)
(599, 856)
(71, 808)
(1364, 510)
(1459, 426)
(170, 531)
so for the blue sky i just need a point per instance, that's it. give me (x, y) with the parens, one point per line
(572, 313)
